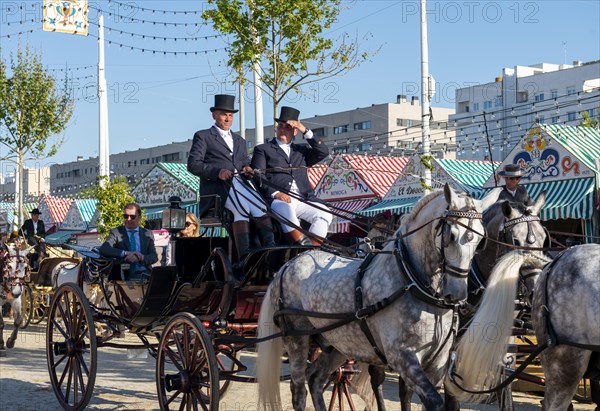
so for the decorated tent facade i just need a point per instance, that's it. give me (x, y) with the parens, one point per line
(77, 220)
(462, 175)
(563, 161)
(353, 182)
(7, 214)
(53, 209)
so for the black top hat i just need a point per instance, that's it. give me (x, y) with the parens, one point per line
(36, 211)
(511, 170)
(287, 113)
(224, 102)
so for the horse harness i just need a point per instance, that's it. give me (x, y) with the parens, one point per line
(10, 279)
(416, 285)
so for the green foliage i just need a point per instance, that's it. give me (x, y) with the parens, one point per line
(32, 108)
(587, 121)
(112, 197)
(288, 38)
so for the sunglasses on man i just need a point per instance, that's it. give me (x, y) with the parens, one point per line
(514, 178)
(129, 216)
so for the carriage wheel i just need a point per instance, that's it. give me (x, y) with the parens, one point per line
(227, 362)
(40, 306)
(71, 349)
(187, 375)
(26, 306)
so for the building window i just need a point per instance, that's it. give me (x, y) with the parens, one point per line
(340, 129)
(363, 125)
(399, 122)
(318, 132)
(554, 119)
(570, 90)
(554, 93)
(541, 119)
(522, 96)
(410, 123)
(487, 105)
(475, 107)
(571, 116)
(498, 101)
(539, 97)
(170, 157)
(593, 112)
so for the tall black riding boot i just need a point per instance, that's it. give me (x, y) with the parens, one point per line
(265, 231)
(241, 236)
(296, 237)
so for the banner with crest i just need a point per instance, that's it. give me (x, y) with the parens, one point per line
(66, 16)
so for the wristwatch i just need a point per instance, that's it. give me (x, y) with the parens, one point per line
(306, 130)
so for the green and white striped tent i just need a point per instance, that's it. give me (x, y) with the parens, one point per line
(562, 160)
(462, 175)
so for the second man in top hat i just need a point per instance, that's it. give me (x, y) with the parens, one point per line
(286, 177)
(219, 157)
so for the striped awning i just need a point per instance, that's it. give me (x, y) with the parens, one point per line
(471, 174)
(58, 207)
(566, 199)
(340, 224)
(61, 236)
(379, 172)
(398, 206)
(315, 173)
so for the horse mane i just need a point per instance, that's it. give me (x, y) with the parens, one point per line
(423, 202)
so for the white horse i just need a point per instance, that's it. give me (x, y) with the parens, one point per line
(15, 273)
(404, 297)
(566, 316)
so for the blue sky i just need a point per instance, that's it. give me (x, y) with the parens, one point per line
(156, 99)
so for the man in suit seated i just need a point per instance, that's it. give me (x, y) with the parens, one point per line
(34, 231)
(286, 178)
(130, 242)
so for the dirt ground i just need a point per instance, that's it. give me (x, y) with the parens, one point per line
(129, 384)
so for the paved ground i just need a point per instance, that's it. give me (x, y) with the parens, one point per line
(128, 384)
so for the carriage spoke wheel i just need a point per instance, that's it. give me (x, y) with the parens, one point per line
(71, 349)
(228, 363)
(187, 375)
(26, 306)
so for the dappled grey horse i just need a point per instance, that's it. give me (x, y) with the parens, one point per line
(396, 308)
(15, 273)
(566, 317)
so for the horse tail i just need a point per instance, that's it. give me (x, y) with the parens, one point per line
(268, 363)
(361, 382)
(481, 349)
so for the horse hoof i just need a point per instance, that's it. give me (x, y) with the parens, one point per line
(10, 343)
(3, 353)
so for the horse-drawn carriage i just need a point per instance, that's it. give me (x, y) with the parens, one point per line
(201, 313)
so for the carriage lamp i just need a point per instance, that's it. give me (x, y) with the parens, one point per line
(173, 219)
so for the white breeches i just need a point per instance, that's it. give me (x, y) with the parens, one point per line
(295, 211)
(244, 202)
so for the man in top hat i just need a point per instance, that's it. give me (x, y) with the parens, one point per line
(286, 177)
(34, 231)
(512, 191)
(219, 157)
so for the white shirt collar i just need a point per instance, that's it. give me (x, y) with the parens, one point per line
(222, 132)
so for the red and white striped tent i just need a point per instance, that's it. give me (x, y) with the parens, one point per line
(315, 173)
(352, 182)
(54, 210)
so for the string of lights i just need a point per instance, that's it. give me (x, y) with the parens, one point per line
(132, 6)
(20, 33)
(154, 37)
(131, 19)
(73, 68)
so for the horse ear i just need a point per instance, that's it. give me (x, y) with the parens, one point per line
(449, 194)
(506, 208)
(539, 203)
(490, 198)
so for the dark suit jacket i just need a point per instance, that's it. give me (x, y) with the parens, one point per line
(118, 241)
(28, 232)
(270, 155)
(520, 196)
(208, 155)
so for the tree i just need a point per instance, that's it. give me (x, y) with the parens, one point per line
(32, 109)
(587, 121)
(287, 36)
(112, 197)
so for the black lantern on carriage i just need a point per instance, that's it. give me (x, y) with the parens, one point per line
(173, 218)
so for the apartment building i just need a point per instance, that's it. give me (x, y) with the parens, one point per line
(490, 118)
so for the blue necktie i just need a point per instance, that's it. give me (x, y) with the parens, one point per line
(133, 246)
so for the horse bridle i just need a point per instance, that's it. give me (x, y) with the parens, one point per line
(446, 232)
(10, 281)
(505, 229)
